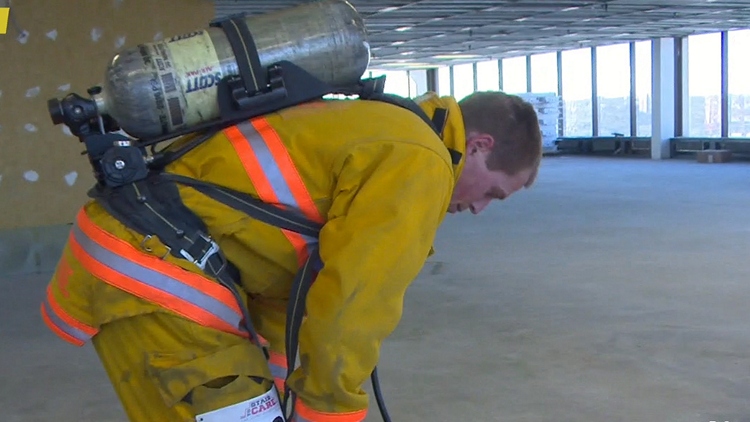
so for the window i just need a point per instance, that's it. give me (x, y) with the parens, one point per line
(739, 83)
(544, 73)
(444, 81)
(576, 81)
(463, 80)
(704, 85)
(643, 94)
(613, 89)
(418, 85)
(514, 75)
(488, 76)
(396, 81)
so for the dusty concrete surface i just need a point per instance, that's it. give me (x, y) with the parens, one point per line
(615, 290)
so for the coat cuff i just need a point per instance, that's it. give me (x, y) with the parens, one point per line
(303, 413)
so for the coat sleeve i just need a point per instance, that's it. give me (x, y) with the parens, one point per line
(388, 203)
(65, 307)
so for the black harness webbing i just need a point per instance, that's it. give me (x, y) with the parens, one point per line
(283, 219)
(152, 207)
(165, 218)
(253, 75)
(250, 205)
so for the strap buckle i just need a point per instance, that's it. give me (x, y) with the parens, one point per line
(211, 250)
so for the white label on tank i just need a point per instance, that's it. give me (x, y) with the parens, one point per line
(198, 70)
(169, 97)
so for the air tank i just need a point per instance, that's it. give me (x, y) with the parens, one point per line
(157, 88)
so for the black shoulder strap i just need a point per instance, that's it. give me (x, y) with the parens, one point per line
(254, 76)
(440, 119)
(437, 122)
(250, 205)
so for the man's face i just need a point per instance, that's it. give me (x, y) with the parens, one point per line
(479, 185)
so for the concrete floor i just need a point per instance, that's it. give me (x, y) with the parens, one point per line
(614, 290)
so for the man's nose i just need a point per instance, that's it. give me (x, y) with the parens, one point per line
(479, 206)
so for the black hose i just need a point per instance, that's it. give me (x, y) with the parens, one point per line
(379, 395)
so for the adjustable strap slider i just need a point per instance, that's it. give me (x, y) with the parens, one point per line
(207, 249)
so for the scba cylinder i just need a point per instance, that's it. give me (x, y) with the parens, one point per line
(158, 88)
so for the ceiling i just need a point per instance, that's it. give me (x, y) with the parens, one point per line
(428, 33)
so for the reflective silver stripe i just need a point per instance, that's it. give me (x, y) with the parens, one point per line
(269, 165)
(273, 173)
(311, 241)
(64, 327)
(277, 371)
(157, 280)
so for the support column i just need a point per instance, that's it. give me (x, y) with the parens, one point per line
(682, 87)
(432, 80)
(663, 105)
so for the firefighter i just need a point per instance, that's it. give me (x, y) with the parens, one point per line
(378, 180)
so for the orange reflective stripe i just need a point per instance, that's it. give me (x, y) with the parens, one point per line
(302, 198)
(58, 329)
(64, 325)
(300, 245)
(121, 265)
(303, 413)
(277, 364)
(272, 172)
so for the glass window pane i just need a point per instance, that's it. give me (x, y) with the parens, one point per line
(418, 83)
(514, 75)
(576, 81)
(488, 76)
(463, 80)
(643, 95)
(739, 83)
(704, 85)
(396, 81)
(444, 81)
(544, 73)
(613, 89)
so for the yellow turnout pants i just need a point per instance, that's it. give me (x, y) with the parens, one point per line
(165, 368)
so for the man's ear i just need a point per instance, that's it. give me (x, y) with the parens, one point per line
(479, 142)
